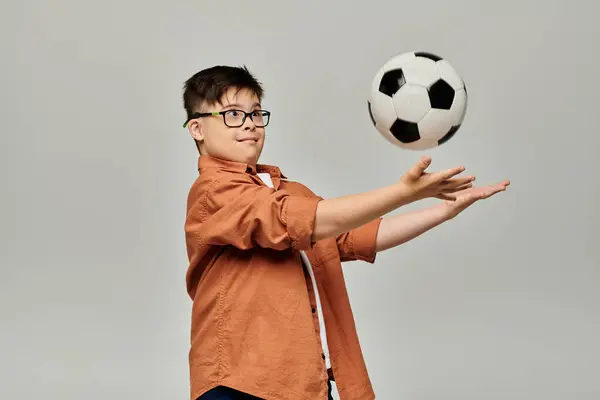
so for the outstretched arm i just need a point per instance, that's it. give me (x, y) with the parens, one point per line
(398, 229)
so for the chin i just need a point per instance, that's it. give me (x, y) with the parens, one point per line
(250, 154)
(247, 157)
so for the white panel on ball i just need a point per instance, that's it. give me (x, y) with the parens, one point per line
(382, 109)
(411, 102)
(383, 113)
(421, 71)
(449, 74)
(377, 81)
(435, 124)
(398, 61)
(459, 107)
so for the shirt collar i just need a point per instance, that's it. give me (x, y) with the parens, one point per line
(207, 162)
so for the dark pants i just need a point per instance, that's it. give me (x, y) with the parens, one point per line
(225, 393)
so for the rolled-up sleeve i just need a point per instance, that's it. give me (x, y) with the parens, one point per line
(240, 213)
(359, 243)
(299, 215)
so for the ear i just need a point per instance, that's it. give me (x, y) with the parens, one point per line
(196, 130)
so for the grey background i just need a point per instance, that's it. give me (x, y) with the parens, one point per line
(500, 303)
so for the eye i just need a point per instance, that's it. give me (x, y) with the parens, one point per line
(234, 113)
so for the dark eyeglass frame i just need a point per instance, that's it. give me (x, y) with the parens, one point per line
(222, 113)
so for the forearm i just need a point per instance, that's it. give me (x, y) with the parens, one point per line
(339, 215)
(401, 228)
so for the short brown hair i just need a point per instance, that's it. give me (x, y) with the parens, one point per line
(209, 86)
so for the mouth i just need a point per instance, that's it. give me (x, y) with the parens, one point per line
(248, 140)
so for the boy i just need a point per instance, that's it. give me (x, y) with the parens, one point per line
(271, 317)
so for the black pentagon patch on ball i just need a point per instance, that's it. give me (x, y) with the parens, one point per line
(424, 54)
(371, 113)
(441, 95)
(448, 135)
(405, 132)
(391, 82)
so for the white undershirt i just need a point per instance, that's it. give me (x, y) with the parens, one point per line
(266, 178)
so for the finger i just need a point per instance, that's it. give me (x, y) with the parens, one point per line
(459, 188)
(500, 185)
(489, 191)
(446, 175)
(455, 182)
(420, 167)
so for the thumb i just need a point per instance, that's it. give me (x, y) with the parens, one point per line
(420, 167)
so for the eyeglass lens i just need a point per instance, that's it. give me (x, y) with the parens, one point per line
(237, 118)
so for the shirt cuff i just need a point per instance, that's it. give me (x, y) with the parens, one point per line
(299, 215)
(363, 241)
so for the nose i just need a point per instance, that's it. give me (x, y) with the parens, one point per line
(249, 124)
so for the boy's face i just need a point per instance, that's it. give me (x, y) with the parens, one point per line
(241, 144)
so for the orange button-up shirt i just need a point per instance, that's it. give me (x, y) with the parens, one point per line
(253, 325)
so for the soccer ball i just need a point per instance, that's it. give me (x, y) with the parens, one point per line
(417, 100)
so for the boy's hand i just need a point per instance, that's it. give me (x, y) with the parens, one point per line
(468, 196)
(441, 184)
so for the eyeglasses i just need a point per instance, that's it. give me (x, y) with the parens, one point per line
(236, 118)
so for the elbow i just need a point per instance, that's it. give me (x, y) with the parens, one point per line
(326, 226)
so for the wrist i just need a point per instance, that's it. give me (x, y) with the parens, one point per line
(444, 211)
(405, 194)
